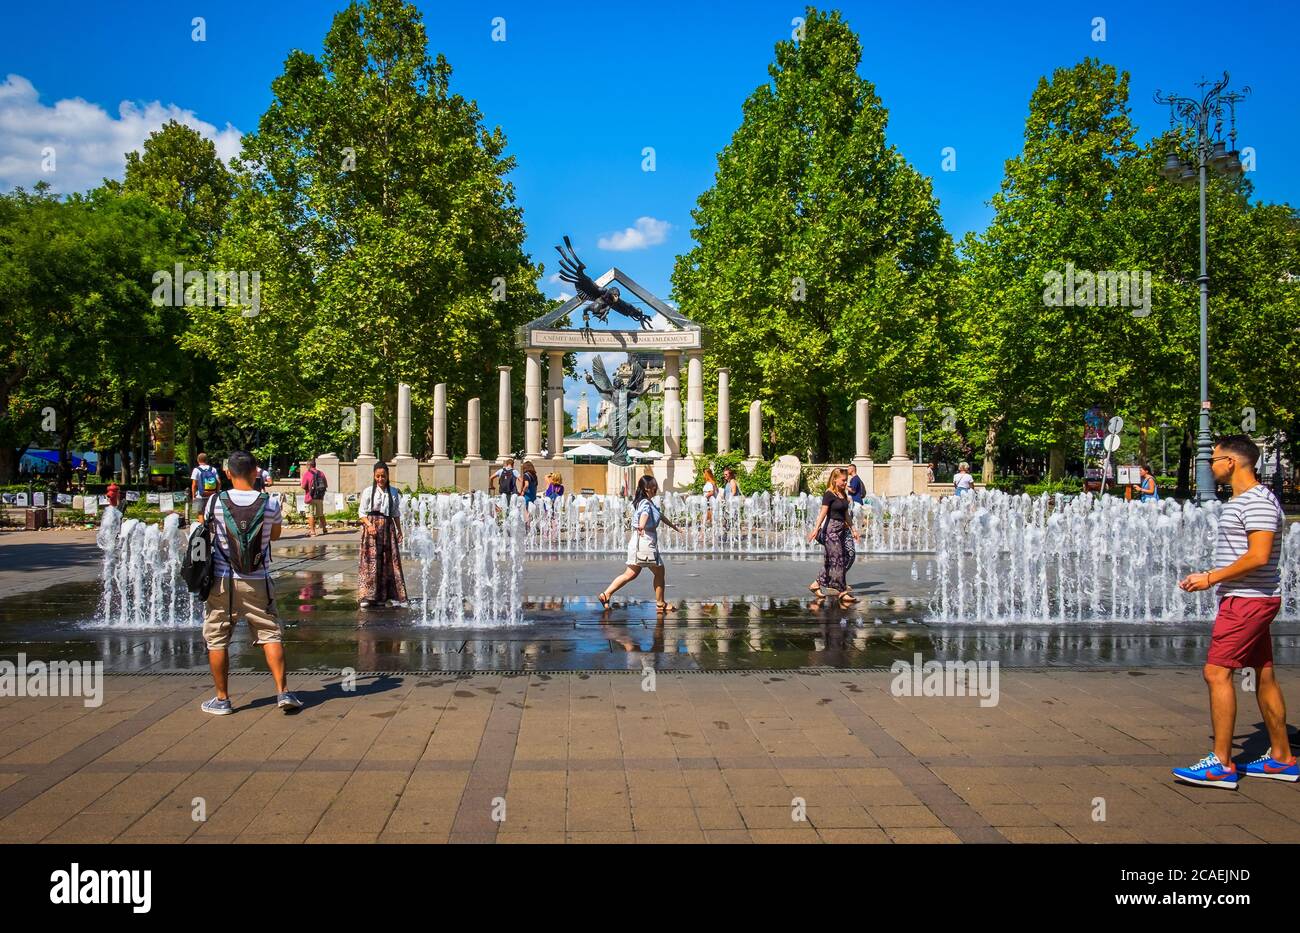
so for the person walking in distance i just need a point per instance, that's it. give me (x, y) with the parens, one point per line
(1246, 558)
(643, 546)
(243, 522)
(856, 489)
(314, 486)
(204, 482)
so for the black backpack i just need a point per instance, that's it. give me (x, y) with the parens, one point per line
(506, 484)
(244, 533)
(318, 486)
(196, 564)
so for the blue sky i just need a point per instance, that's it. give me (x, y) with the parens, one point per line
(98, 76)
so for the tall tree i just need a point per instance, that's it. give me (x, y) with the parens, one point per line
(820, 267)
(1032, 364)
(375, 208)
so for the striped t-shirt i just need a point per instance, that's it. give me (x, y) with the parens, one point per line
(1256, 509)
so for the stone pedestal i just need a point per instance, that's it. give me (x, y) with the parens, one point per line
(329, 465)
(724, 411)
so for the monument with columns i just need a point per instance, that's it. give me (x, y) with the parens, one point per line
(673, 335)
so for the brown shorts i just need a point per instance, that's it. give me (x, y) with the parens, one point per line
(1241, 636)
(253, 600)
(316, 509)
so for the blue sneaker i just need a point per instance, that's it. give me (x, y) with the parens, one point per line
(288, 702)
(1209, 771)
(1267, 766)
(217, 707)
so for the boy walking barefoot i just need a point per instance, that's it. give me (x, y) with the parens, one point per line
(1250, 587)
(243, 522)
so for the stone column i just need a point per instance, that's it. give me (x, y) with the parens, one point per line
(555, 405)
(366, 459)
(472, 430)
(367, 445)
(406, 469)
(724, 411)
(476, 469)
(900, 465)
(694, 403)
(533, 405)
(756, 430)
(672, 405)
(403, 420)
(503, 413)
(900, 438)
(440, 422)
(862, 446)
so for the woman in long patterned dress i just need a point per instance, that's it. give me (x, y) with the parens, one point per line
(379, 578)
(837, 535)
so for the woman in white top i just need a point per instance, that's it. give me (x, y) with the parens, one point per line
(963, 482)
(710, 494)
(643, 546)
(379, 578)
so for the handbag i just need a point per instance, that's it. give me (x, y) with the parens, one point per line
(645, 550)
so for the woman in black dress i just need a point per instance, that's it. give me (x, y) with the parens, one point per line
(835, 517)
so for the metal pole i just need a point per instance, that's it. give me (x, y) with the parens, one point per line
(920, 433)
(1205, 489)
(1164, 454)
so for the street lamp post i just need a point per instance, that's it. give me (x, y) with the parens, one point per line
(920, 431)
(1211, 152)
(1164, 451)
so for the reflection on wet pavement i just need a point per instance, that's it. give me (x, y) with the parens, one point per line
(325, 630)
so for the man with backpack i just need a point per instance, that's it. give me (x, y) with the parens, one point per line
(314, 486)
(204, 482)
(506, 481)
(243, 522)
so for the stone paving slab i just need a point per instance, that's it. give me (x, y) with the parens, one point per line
(1066, 756)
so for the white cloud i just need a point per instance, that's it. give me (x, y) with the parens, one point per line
(645, 233)
(89, 143)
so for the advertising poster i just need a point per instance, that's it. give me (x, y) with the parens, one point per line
(162, 437)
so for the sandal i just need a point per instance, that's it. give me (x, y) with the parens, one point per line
(604, 599)
(665, 607)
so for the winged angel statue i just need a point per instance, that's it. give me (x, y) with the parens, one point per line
(621, 396)
(601, 300)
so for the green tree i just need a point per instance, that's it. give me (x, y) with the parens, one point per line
(180, 171)
(374, 206)
(1022, 361)
(820, 267)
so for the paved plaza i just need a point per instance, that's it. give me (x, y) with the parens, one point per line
(1075, 750)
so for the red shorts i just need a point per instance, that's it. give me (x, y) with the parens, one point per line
(1241, 636)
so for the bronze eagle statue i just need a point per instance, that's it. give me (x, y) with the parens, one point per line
(601, 300)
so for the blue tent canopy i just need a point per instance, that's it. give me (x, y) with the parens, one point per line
(37, 459)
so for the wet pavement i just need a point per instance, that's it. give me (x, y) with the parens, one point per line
(325, 630)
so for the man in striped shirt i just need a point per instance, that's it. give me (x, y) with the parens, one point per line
(1246, 558)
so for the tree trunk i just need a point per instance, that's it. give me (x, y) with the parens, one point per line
(1055, 463)
(821, 419)
(1143, 456)
(1184, 488)
(991, 450)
